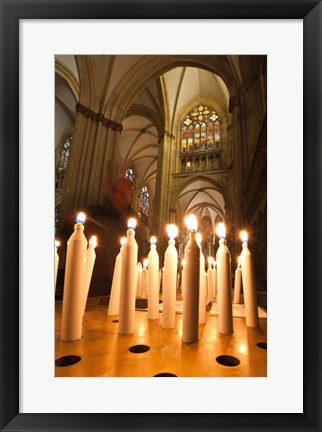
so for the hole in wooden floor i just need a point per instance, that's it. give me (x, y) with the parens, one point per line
(262, 345)
(165, 374)
(67, 360)
(227, 360)
(138, 349)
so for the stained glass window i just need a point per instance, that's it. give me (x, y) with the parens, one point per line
(201, 130)
(145, 201)
(64, 156)
(129, 174)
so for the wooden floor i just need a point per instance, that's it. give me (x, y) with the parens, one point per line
(104, 352)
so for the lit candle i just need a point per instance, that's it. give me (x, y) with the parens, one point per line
(210, 280)
(153, 281)
(114, 303)
(89, 265)
(170, 279)
(190, 312)
(73, 298)
(249, 286)
(144, 289)
(225, 314)
(238, 280)
(202, 284)
(139, 280)
(57, 243)
(128, 281)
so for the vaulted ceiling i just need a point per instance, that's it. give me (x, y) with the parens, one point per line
(154, 110)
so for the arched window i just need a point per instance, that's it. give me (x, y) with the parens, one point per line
(129, 174)
(201, 130)
(62, 165)
(145, 201)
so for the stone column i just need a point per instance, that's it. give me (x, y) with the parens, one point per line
(92, 164)
(237, 169)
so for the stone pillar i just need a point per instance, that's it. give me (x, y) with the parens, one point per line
(237, 169)
(93, 162)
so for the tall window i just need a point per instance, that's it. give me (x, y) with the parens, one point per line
(64, 156)
(145, 201)
(129, 174)
(201, 130)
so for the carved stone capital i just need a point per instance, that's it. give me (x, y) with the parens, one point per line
(233, 103)
(98, 117)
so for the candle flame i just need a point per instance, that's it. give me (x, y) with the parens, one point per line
(198, 238)
(172, 231)
(183, 262)
(57, 243)
(131, 224)
(153, 240)
(239, 260)
(221, 230)
(244, 236)
(210, 260)
(139, 266)
(81, 218)
(93, 241)
(123, 241)
(191, 222)
(145, 262)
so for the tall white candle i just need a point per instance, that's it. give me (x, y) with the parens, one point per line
(153, 281)
(57, 243)
(183, 262)
(128, 281)
(144, 283)
(238, 280)
(114, 303)
(210, 280)
(170, 279)
(202, 281)
(190, 312)
(139, 280)
(249, 285)
(89, 265)
(225, 313)
(73, 298)
(215, 281)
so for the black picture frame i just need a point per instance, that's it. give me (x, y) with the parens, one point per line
(11, 12)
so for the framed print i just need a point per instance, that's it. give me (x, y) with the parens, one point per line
(277, 44)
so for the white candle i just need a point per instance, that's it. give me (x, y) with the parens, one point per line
(144, 283)
(215, 281)
(202, 281)
(57, 243)
(128, 281)
(225, 314)
(249, 285)
(210, 280)
(72, 314)
(238, 280)
(139, 280)
(89, 265)
(153, 281)
(190, 312)
(182, 276)
(170, 279)
(114, 303)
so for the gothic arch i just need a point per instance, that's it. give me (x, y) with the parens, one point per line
(151, 67)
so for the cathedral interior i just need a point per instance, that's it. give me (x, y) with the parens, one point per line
(190, 133)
